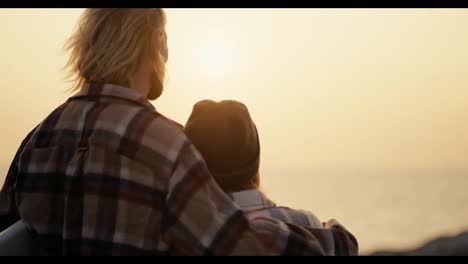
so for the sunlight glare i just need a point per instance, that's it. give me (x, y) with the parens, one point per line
(215, 56)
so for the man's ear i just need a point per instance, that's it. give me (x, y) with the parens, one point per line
(163, 45)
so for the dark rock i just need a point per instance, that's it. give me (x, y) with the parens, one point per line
(443, 246)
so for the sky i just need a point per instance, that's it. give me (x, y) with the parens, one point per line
(335, 93)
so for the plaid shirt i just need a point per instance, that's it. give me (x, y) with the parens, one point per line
(106, 174)
(255, 203)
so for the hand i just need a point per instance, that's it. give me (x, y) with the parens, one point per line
(332, 223)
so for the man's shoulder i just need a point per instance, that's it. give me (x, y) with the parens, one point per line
(140, 126)
(161, 126)
(172, 122)
(164, 135)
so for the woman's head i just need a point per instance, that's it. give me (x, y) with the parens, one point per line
(225, 135)
(110, 44)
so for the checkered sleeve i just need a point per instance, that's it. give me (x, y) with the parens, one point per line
(8, 210)
(200, 219)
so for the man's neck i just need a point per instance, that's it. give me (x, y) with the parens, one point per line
(141, 80)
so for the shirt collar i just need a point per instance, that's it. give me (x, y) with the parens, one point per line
(251, 200)
(97, 90)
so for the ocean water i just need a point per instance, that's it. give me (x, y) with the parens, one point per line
(383, 210)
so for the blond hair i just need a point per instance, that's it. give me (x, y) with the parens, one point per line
(109, 44)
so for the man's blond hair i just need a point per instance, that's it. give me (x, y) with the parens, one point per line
(109, 45)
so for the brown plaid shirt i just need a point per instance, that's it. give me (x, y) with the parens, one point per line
(106, 174)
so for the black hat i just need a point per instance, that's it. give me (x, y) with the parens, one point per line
(225, 135)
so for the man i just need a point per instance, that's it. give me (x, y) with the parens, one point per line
(228, 140)
(106, 174)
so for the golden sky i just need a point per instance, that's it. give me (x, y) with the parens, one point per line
(333, 91)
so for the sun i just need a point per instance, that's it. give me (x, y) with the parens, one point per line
(215, 56)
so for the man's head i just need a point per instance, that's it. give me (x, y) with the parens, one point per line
(112, 44)
(227, 138)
